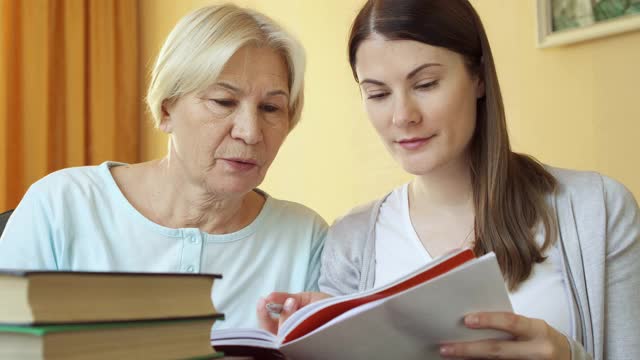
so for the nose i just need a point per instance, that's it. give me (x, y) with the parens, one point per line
(405, 111)
(247, 126)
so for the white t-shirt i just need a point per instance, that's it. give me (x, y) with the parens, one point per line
(399, 251)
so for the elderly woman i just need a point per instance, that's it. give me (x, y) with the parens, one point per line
(227, 88)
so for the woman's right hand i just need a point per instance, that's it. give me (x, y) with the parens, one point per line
(291, 303)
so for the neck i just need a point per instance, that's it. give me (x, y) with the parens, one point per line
(445, 189)
(178, 201)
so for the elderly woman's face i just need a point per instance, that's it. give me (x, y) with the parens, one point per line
(227, 136)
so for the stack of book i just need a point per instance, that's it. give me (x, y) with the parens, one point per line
(91, 316)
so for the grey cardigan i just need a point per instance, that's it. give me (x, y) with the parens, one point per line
(599, 235)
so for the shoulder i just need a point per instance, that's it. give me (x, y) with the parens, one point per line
(296, 220)
(68, 182)
(602, 210)
(365, 215)
(355, 225)
(575, 181)
(82, 176)
(592, 186)
(292, 223)
(357, 217)
(294, 212)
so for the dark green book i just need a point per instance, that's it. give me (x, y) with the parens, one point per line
(165, 339)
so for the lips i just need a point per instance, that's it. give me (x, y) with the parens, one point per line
(240, 164)
(414, 143)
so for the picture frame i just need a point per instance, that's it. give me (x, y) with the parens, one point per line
(564, 22)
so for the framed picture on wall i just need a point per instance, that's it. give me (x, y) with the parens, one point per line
(562, 22)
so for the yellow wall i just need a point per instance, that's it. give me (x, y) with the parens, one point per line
(573, 107)
(576, 106)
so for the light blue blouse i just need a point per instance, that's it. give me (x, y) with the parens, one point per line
(78, 219)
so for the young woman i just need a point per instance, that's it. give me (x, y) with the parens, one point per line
(567, 241)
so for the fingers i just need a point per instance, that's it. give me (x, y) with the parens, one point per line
(519, 326)
(316, 296)
(533, 338)
(290, 306)
(264, 318)
(291, 303)
(302, 299)
(279, 297)
(497, 349)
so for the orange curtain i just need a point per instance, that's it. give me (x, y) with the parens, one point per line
(68, 88)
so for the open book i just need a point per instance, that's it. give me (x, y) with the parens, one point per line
(407, 319)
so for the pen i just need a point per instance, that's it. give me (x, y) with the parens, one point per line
(274, 308)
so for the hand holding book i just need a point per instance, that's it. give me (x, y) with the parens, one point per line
(530, 337)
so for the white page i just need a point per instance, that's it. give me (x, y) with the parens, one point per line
(412, 324)
(249, 337)
(353, 312)
(305, 312)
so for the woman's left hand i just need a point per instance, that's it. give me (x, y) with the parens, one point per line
(532, 339)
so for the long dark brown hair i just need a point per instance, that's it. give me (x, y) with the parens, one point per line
(509, 189)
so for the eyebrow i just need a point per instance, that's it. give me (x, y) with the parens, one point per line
(228, 86)
(239, 91)
(278, 92)
(410, 75)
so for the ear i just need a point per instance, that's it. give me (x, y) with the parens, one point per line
(166, 125)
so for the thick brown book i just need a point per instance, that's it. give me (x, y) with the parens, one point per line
(52, 297)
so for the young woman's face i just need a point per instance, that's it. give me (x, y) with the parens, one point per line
(421, 99)
(227, 136)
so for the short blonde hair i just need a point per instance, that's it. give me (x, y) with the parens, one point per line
(202, 42)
